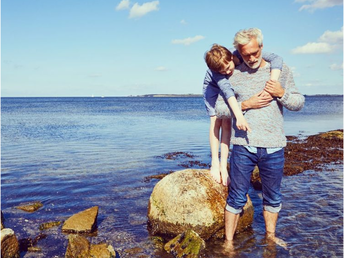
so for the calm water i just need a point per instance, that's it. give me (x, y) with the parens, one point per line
(75, 153)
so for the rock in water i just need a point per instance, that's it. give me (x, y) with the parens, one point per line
(102, 250)
(185, 245)
(191, 199)
(78, 246)
(30, 207)
(82, 222)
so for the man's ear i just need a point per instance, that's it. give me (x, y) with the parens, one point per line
(262, 46)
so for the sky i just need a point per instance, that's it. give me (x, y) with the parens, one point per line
(67, 48)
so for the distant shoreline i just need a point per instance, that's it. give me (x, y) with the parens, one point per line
(162, 96)
(169, 95)
(200, 95)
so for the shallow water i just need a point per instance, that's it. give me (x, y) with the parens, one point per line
(74, 153)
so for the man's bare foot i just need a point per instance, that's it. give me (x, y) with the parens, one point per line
(215, 173)
(276, 240)
(225, 176)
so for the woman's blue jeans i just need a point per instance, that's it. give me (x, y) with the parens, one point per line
(242, 164)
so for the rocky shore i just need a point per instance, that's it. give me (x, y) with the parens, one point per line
(184, 232)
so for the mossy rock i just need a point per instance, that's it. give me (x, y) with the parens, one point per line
(186, 245)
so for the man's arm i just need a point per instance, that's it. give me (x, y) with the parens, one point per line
(288, 95)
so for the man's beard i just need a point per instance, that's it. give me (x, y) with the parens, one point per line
(254, 64)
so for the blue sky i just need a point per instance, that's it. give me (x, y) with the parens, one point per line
(134, 47)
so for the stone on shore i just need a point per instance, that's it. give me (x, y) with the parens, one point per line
(186, 245)
(82, 222)
(191, 199)
(9, 244)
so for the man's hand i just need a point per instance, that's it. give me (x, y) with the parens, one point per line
(274, 88)
(260, 100)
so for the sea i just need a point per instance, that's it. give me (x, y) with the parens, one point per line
(73, 153)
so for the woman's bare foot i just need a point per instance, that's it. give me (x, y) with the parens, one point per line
(225, 176)
(215, 173)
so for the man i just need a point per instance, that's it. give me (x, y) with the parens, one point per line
(264, 146)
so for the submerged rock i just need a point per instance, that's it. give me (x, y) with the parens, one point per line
(29, 244)
(186, 245)
(30, 207)
(82, 222)
(191, 199)
(48, 225)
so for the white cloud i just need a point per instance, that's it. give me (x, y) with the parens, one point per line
(318, 4)
(313, 48)
(334, 37)
(336, 66)
(187, 41)
(327, 43)
(161, 68)
(183, 22)
(140, 10)
(124, 4)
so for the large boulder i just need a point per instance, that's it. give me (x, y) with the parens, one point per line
(191, 199)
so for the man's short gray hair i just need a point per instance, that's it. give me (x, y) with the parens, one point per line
(243, 37)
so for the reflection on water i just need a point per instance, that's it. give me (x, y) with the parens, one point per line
(75, 153)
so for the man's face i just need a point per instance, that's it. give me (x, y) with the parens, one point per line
(251, 53)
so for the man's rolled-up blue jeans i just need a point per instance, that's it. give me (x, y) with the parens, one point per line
(242, 164)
